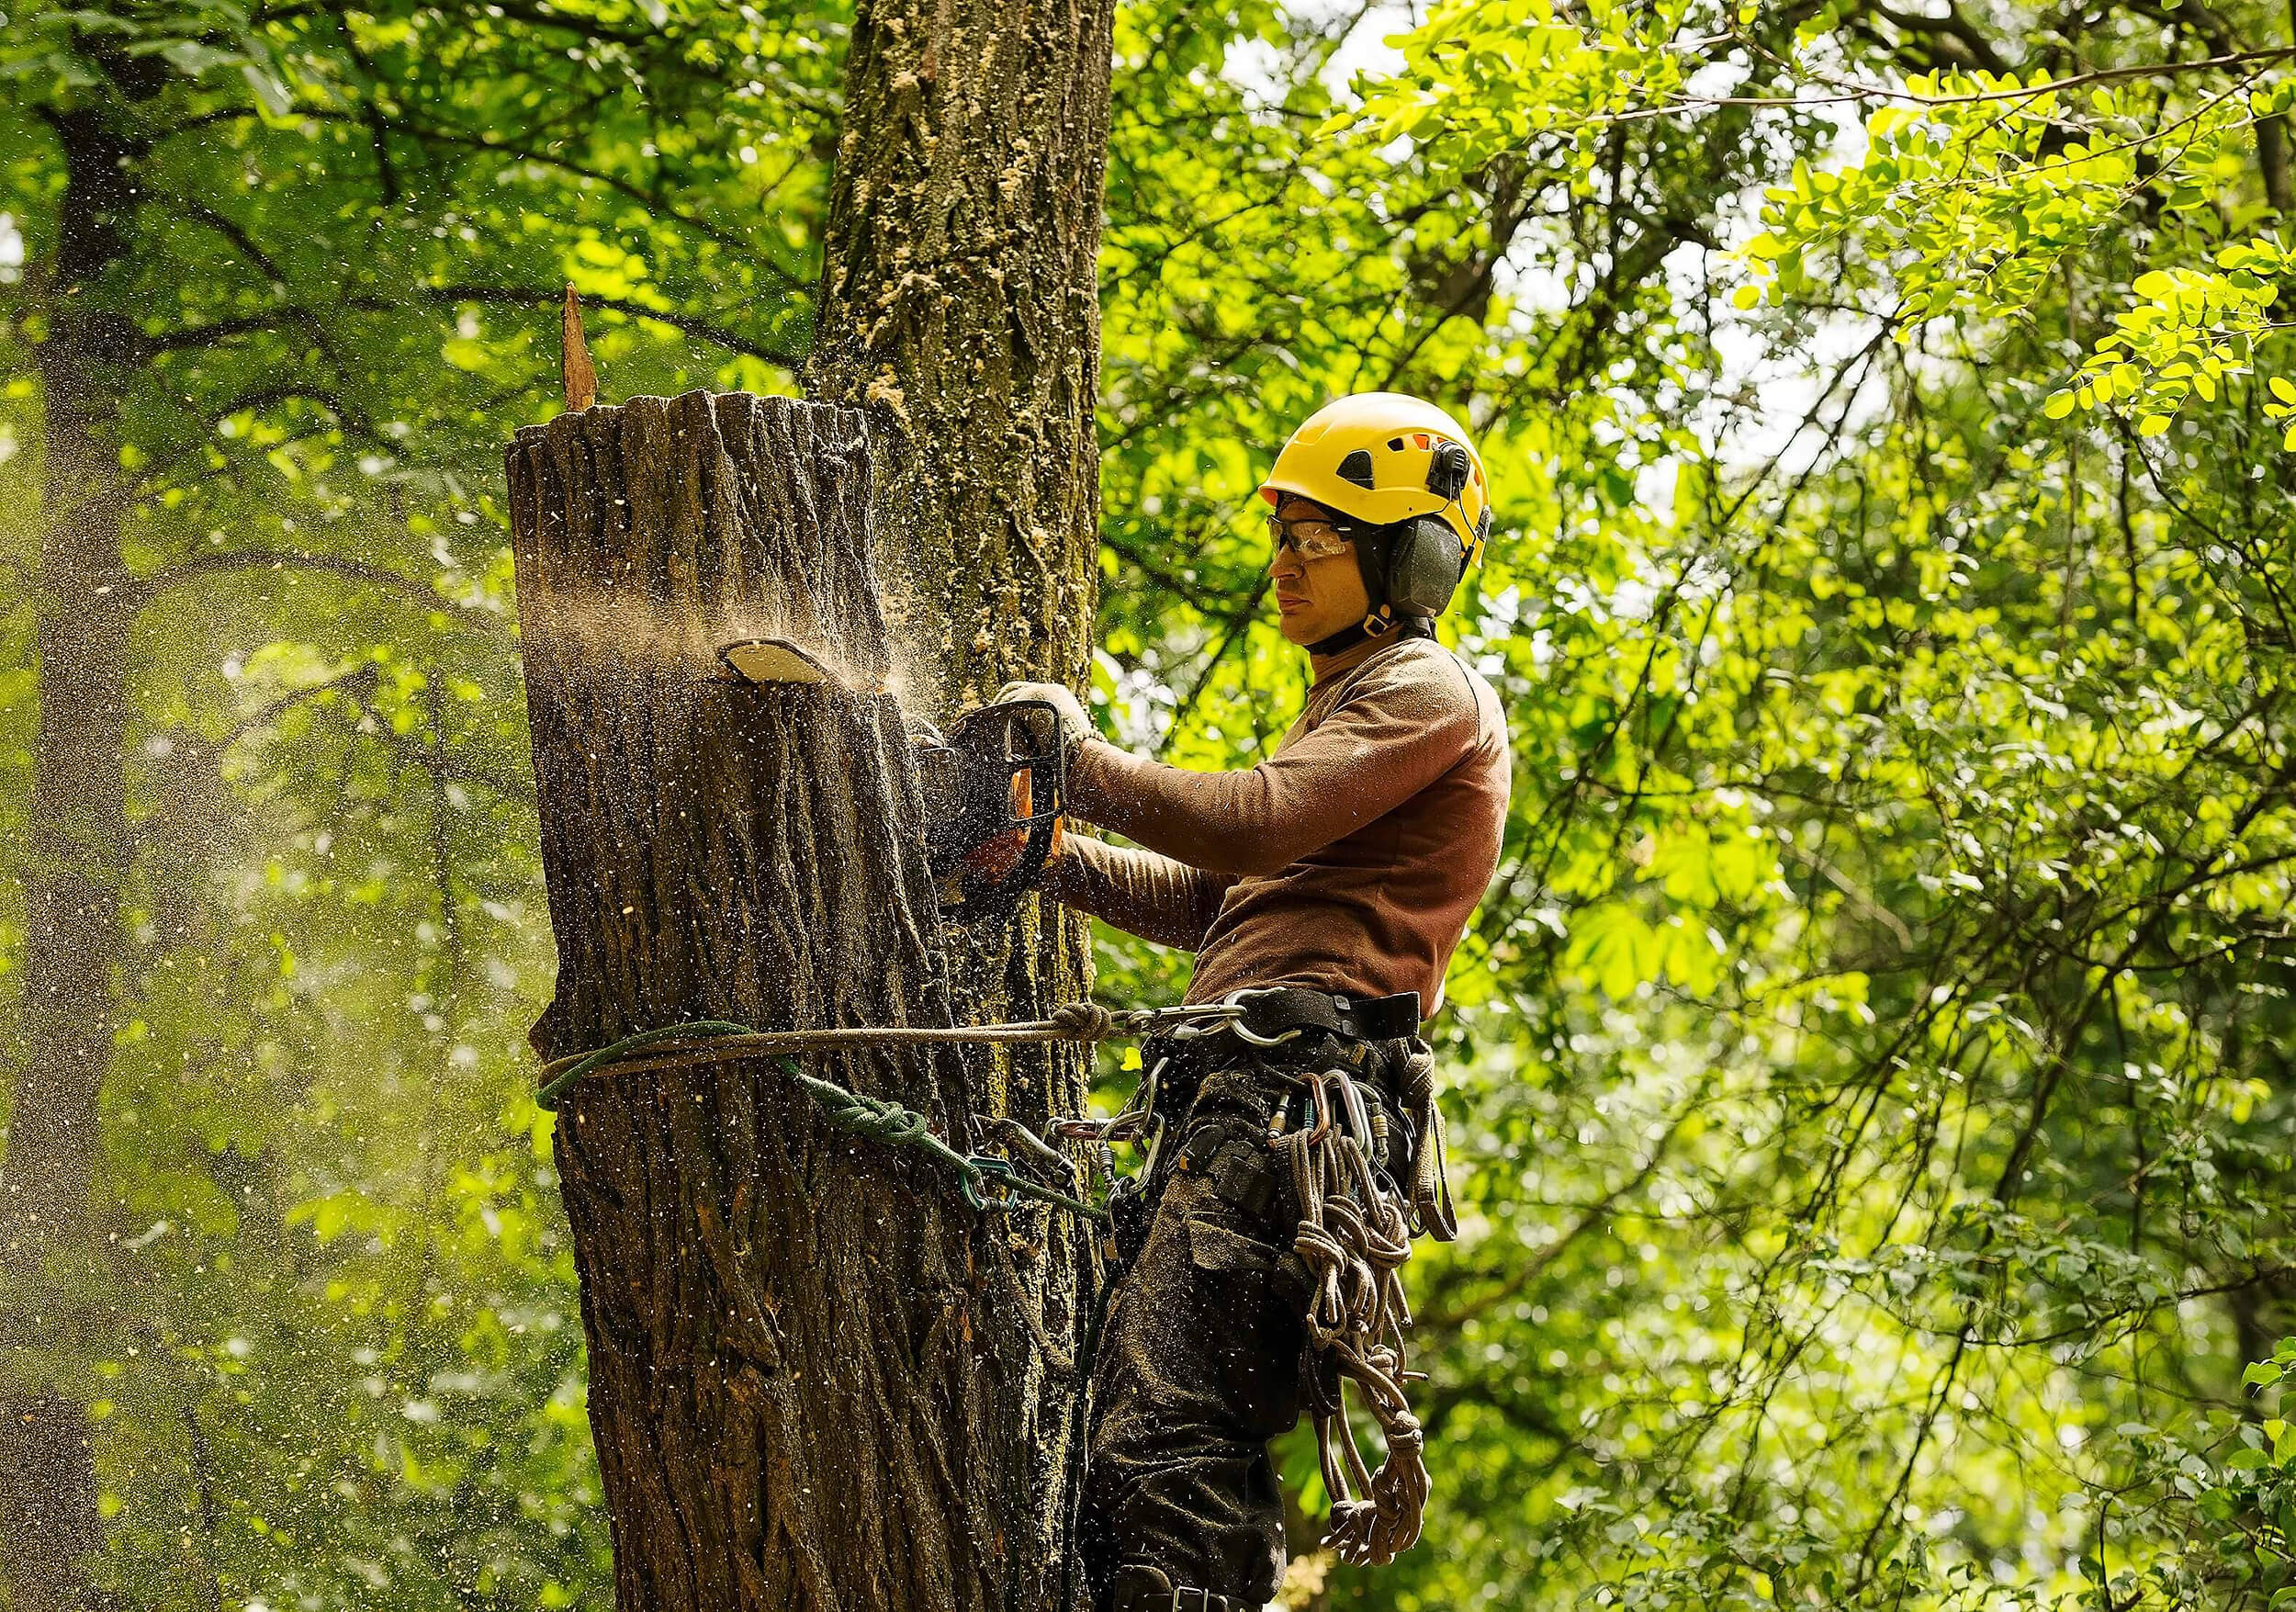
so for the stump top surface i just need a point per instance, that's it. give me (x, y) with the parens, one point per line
(698, 400)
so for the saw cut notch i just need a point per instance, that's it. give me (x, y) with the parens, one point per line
(774, 660)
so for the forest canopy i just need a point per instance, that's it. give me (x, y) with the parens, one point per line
(1866, 1076)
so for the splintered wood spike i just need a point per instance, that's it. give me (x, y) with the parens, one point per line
(574, 365)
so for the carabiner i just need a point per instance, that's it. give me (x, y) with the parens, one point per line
(1237, 997)
(987, 1163)
(1358, 1119)
(1228, 1018)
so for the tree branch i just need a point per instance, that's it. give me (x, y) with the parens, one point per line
(221, 330)
(199, 567)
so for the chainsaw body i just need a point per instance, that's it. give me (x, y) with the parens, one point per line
(988, 778)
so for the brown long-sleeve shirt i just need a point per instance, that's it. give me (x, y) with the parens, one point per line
(1350, 860)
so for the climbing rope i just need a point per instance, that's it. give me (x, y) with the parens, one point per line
(714, 1041)
(1355, 1238)
(989, 1183)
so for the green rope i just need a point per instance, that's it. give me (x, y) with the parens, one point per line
(876, 1118)
(548, 1097)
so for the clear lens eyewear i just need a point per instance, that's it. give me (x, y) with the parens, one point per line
(1307, 539)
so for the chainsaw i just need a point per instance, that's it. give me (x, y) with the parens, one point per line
(988, 778)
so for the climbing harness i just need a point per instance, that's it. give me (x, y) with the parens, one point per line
(1354, 1232)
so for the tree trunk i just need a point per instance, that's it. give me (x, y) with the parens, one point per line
(960, 304)
(75, 859)
(808, 1364)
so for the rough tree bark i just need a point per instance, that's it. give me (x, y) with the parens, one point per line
(808, 1358)
(960, 304)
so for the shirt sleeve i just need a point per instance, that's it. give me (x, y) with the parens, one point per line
(1406, 720)
(1139, 892)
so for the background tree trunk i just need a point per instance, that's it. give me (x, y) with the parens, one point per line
(808, 1363)
(62, 1051)
(960, 304)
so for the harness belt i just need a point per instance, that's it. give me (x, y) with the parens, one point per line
(1371, 1038)
(1273, 1011)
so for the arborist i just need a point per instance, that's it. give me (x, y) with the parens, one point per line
(1323, 890)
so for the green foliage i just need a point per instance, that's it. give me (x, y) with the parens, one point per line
(1866, 1071)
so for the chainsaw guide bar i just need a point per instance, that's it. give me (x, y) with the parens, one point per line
(774, 661)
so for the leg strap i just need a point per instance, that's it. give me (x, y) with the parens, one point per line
(1145, 1589)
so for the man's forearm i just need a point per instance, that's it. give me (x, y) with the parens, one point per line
(1361, 761)
(1139, 892)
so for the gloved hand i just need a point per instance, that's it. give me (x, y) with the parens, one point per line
(1075, 726)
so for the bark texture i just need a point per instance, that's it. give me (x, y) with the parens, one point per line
(807, 1359)
(960, 304)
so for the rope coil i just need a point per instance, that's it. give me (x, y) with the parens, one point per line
(1355, 1238)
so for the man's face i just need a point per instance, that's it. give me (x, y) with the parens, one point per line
(1319, 587)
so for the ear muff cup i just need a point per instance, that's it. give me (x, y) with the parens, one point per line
(1424, 563)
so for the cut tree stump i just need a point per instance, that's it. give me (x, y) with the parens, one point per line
(806, 1358)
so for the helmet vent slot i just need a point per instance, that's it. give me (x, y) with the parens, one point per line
(1357, 468)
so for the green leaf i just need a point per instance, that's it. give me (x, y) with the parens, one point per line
(268, 90)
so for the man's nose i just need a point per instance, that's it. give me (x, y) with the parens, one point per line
(1283, 563)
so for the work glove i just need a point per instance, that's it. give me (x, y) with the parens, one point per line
(1075, 726)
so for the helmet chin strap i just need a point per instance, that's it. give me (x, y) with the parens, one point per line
(1381, 623)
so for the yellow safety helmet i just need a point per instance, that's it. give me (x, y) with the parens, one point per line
(1381, 459)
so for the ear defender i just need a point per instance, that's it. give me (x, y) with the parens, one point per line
(1426, 558)
(1424, 565)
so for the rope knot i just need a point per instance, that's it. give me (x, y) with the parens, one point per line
(1085, 1020)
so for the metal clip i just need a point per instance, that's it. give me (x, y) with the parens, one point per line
(1236, 998)
(975, 1167)
(1225, 1015)
(1358, 1122)
(1036, 1144)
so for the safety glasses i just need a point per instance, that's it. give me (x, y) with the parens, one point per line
(1309, 539)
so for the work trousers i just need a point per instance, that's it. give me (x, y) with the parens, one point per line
(1199, 1357)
